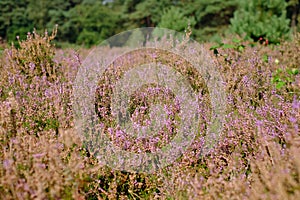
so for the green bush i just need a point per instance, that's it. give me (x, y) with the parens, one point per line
(261, 19)
(174, 18)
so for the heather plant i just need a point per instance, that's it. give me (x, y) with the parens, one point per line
(37, 83)
(141, 101)
(34, 57)
(43, 157)
(287, 73)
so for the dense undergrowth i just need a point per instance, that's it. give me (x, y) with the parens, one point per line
(43, 158)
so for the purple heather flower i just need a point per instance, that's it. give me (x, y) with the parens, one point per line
(296, 103)
(31, 66)
(39, 155)
(7, 163)
(259, 123)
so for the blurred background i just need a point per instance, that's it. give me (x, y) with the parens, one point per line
(87, 22)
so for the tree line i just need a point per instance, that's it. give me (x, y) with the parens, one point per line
(86, 22)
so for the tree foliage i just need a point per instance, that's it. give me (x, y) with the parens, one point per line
(261, 19)
(14, 19)
(212, 16)
(174, 18)
(90, 21)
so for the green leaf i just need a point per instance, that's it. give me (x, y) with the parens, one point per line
(241, 48)
(235, 40)
(228, 46)
(265, 58)
(278, 71)
(275, 79)
(214, 47)
(280, 84)
(293, 71)
(289, 80)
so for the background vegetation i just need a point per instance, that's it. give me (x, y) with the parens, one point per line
(90, 21)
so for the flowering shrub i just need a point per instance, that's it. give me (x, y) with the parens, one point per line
(37, 83)
(43, 158)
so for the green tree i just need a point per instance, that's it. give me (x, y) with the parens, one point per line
(293, 10)
(90, 22)
(47, 13)
(174, 18)
(212, 16)
(38, 12)
(146, 13)
(259, 18)
(13, 19)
